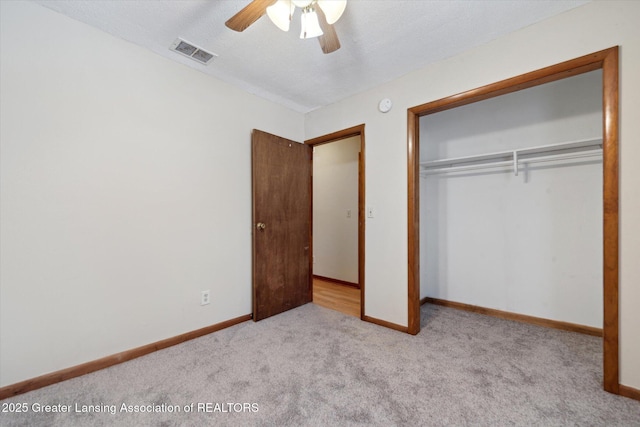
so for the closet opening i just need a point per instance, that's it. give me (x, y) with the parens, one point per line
(337, 237)
(569, 154)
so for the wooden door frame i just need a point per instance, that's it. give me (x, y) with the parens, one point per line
(607, 60)
(333, 137)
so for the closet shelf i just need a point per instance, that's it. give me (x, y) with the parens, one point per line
(566, 150)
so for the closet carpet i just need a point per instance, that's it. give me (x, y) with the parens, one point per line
(318, 367)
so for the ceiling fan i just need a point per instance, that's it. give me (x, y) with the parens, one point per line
(318, 17)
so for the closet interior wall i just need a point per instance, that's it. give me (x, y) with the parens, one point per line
(529, 243)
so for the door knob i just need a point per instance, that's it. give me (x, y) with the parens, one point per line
(261, 226)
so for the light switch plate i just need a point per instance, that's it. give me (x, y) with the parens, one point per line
(370, 212)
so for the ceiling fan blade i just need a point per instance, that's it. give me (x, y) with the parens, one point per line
(329, 40)
(250, 14)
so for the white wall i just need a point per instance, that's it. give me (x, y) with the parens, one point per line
(125, 191)
(589, 28)
(335, 193)
(529, 244)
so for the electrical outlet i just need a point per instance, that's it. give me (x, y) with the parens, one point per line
(348, 213)
(205, 297)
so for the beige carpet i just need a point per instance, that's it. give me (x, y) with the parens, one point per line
(314, 366)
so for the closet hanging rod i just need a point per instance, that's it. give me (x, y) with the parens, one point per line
(507, 163)
(511, 154)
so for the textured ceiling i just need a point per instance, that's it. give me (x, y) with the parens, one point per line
(381, 40)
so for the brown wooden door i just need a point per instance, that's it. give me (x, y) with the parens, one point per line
(281, 224)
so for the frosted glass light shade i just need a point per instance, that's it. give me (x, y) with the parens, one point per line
(332, 9)
(310, 25)
(280, 13)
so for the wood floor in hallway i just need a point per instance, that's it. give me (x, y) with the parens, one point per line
(342, 298)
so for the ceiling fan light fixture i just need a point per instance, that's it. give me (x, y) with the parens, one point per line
(310, 25)
(280, 13)
(332, 9)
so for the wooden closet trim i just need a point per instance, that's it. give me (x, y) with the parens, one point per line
(607, 60)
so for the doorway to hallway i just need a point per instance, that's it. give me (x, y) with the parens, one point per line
(338, 220)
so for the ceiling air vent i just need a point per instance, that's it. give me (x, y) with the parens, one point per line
(193, 52)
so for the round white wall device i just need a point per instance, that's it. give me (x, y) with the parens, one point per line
(385, 105)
